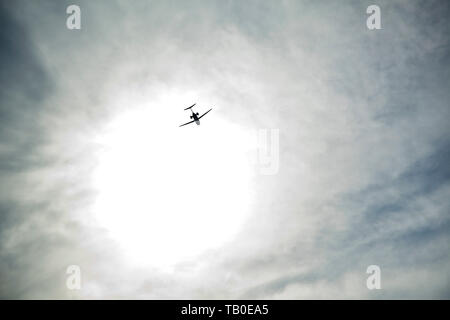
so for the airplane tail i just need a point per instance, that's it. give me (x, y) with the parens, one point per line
(190, 106)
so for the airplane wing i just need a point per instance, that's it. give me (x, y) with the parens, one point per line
(205, 113)
(187, 123)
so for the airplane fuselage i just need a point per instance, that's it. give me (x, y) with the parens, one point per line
(195, 118)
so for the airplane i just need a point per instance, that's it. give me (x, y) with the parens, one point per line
(195, 116)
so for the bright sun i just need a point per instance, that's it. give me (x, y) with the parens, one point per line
(167, 194)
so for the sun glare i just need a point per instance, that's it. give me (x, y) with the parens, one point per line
(166, 193)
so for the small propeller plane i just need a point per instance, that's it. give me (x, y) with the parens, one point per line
(195, 116)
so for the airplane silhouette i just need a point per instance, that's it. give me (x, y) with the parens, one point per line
(195, 116)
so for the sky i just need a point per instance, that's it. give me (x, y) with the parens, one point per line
(96, 173)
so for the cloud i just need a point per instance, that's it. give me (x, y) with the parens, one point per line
(363, 143)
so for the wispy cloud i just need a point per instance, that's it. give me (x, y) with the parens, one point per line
(364, 143)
